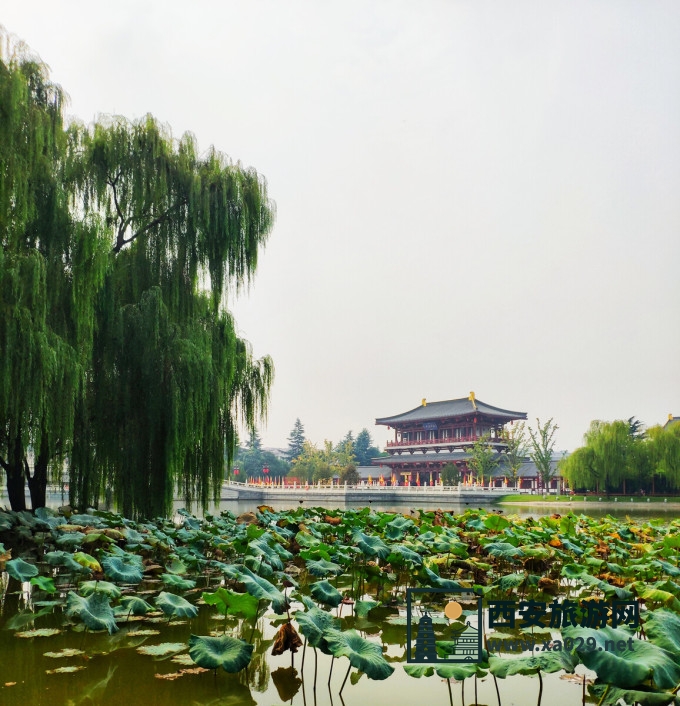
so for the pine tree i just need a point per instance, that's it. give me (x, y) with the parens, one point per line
(296, 441)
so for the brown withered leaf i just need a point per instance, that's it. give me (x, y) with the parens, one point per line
(286, 638)
(332, 520)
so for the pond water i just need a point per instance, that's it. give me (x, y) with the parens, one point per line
(112, 671)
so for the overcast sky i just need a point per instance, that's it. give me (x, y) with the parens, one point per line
(470, 195)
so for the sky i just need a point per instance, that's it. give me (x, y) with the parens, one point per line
(471, 195)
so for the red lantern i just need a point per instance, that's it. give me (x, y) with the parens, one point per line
(265, 470)
(236, 471)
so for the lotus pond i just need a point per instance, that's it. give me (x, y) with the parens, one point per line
(309, 606)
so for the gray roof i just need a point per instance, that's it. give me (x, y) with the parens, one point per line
(451, 408)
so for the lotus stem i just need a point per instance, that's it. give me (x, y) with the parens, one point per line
(315, 669)
(330, 674)
(462, 692)
(540, 688)
(603, 695)
(498, 693)
(476, 691)
(584, 690)
(349, 669)
(448, 683)
(252, 632)
(304, 649)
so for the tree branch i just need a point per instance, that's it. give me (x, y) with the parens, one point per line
(122, 241)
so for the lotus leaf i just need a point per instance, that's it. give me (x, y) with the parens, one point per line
(118, 569)
(419, 670)
(71, 539)
(263, 590)
(362, 654)
(323, 568)
(370, 545)
(41, 632)
(105, 587)
(89, 562)
(608, 695)
(547, 662)
(95, 611)
(174, 581)
(66, 652)
(326, 593)
(135, 605)
(626, 668)
(404, 554)
(314, 623)
(459, 672)
(363, 608)
(229, 603)
(20, 570)
(171, 604)
(44, 583)
(286, 638)
(165, 649)
(227, 652)
(287, 682)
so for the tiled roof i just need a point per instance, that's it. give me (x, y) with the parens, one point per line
(450, 408)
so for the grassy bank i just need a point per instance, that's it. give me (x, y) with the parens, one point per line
(566, 499)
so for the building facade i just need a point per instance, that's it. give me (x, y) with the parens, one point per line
(437, 433)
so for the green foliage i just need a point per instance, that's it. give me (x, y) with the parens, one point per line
(450, 474)
(118, 245)
(517, 449)
(95, 611)
(483, 459)
(230, 653)
(542, 447)
(364, 450)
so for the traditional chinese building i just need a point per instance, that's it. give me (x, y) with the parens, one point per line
(436, 433)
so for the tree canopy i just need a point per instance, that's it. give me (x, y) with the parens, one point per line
(119, 245)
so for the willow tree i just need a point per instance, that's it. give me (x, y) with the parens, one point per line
(50, 268)
(171, 379)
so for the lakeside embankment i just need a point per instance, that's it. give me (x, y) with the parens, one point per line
(592, 502)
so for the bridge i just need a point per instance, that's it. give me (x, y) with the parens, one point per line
(439, 494)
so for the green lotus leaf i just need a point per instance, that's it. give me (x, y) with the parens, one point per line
(106, 587)
(174, 581)
(397, 528)
(625, 668)
(176, 567)
(362, 654)
(404, 554)
(227, 652)
(510, 581)
(363, 608)
(89, 562)
(71, 539)
(546, 662)
(371, 546)
(263, 590)
(95, 611)
(438, 582)
(118, 569)
(459, 672)
(314, 623)
(165, 649)
(326, 593)
(663, 629)
(135, 605)
(608, 695)
(503, 550)
(20, 570)
(44, 583)
(65, 559)
(229, 603)
(171, 604)
(260, 548)
(418, 670)
(323, 568)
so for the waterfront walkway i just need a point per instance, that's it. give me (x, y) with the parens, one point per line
(235, 490)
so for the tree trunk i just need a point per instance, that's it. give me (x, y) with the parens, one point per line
(14, 470)
(37, 483)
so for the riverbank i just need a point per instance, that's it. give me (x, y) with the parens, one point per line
(591, 502)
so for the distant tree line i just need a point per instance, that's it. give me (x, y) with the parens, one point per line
(620, 457)
(304, 460)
